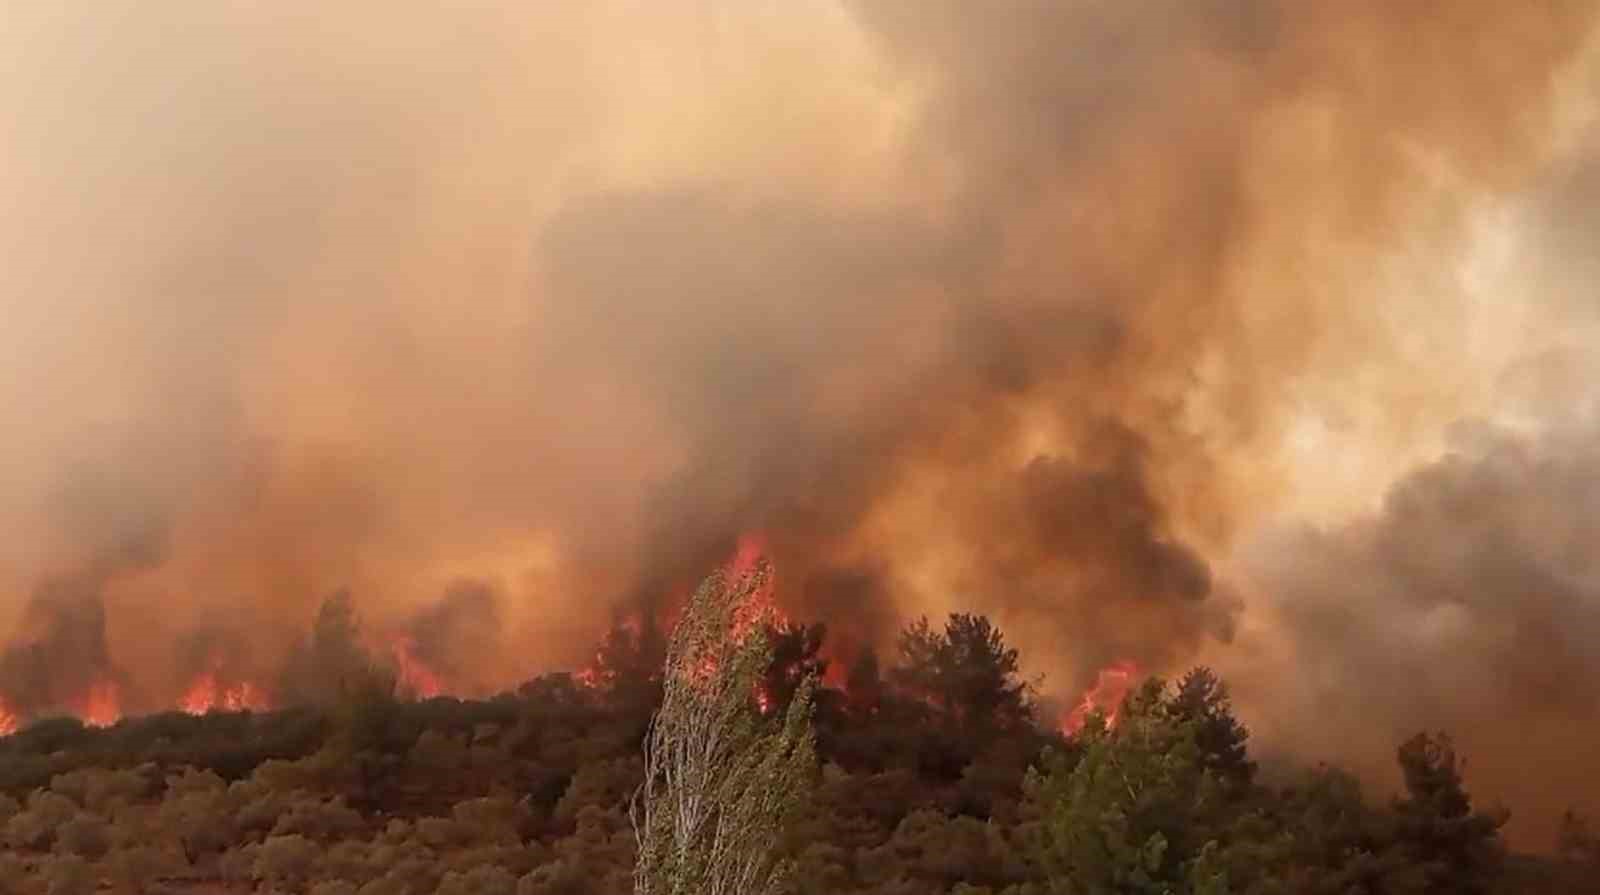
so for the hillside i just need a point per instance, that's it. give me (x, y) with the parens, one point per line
(924, 786)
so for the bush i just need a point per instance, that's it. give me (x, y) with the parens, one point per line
(132, 869)
(349, 860)
(286, 861)
(70, 875)
(239, 865)
(483, 880)
(9, 808)
(99, 790)
(333, 887)
(36, 826)
(384, 885)
(86, 836)
(189, 781)
(442, 832)
(496, 819)
(12, 874)
(324, 821)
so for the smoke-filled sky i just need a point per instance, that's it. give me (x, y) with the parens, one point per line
(1254, 331)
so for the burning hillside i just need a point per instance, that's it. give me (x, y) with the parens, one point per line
(507, 321)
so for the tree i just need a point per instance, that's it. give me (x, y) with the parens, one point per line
(1458, 848)
(1123, 818)
(1202, 697)
(796, 658)
(965, 671)
(721, 782)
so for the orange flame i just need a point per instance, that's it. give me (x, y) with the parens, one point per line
(758, 608)
(207, 695)
(101, 706)
(9, 722)
(1111, 686)
(415, 675)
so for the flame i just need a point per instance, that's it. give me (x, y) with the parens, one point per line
(758, 608)
(415, 675)
(206, 694)
(101, 706)
(589, 678)
(9, 722)
(1111, 686)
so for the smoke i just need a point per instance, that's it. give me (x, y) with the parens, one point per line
(1020, 313)
(1470, 602)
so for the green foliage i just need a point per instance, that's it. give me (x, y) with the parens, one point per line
(1129, 815)
(918, 792)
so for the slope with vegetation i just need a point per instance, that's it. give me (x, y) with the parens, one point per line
(929, 775)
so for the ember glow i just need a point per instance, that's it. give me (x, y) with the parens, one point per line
(101, 706)
(1110, 688)
(9, 722)
(206, 694)
(415, 677)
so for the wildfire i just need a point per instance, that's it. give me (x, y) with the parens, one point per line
(415, 675)
(101, 706)
(1111, 686)
(758, 608)
(9, 723)
(206, 694)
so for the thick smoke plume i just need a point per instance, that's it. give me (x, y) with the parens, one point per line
(1025, 312)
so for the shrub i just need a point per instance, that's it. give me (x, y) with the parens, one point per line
(333, 887)
(441, 832)
(497, 819)
(189, 781)
(349, 860)
(318, 819)
(239, 865)
(86, 836)
(132, 869)
(98, 789)
(198, 820)
(36, 826)
(384, 885)
(286, 861)
(9, 808)
(12, 874)
(69, 875)
(483, 880)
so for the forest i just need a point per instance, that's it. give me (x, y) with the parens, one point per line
(933, 773)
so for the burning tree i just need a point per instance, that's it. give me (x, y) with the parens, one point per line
(721, 781)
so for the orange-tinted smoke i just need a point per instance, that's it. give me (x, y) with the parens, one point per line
(964, 311)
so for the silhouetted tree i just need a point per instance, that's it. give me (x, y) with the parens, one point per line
(864, 685)
(795, 658)
(965, 671)
(1202, 697)
(1458, 848)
